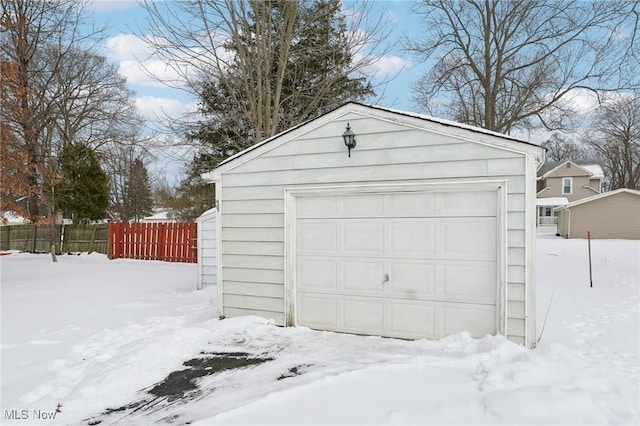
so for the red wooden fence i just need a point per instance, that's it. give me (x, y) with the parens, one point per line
(171, 242)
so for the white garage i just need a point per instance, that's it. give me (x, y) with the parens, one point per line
(424, 229)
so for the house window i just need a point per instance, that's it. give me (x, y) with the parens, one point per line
(567, 183)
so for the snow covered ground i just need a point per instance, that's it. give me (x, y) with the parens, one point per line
(87, 335)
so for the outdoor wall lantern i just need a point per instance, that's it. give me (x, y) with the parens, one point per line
(349, 139)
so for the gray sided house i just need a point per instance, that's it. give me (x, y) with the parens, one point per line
(574, 180)
(610, 215)
(426, 229)
(562, 182)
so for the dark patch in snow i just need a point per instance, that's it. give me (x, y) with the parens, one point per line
(181, 386)
(125, 407)
(176, 384)
(295, 371)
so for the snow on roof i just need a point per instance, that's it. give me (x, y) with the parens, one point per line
(209, 213)
(12, 219)
(589, 166)
(160, 216)
(552, 201)
(451, 123)
(595, 170)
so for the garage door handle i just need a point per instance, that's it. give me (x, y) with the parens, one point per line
(386, 278)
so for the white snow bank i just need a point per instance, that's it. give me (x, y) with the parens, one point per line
(93, 334)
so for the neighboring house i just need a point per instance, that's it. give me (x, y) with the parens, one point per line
(424, 228)
(562, 182)
(159, 216)
(610, 215)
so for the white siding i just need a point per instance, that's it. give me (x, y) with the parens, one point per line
(207, 249)
(252, 200)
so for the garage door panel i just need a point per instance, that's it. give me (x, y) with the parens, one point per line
(411, 204)
(412, 238)
(318, 274)
(469, 203)
(366, 205)
(317, 237)
(315, 311)
(363, 237)
(412, 320)
(469, 282)
(411, 280)
(469, 239)
(317, 207)
(363, 316)
(366, 276)
(477, 320)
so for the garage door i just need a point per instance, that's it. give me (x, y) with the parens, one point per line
(402, 264)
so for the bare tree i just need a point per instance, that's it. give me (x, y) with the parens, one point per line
(561, 148)
(507, 64)
(615, 137)
(93, 104)
(95, 107)
(59, 92)
(35, 38)
(202, 40)
(117, 157)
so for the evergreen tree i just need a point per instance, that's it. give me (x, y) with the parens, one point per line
(317, 77)
(84, 190)
(138, 197)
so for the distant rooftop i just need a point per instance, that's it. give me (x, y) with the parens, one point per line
(590, 165)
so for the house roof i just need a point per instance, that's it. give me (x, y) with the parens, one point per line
(208, 214)
(552, 201)
(12, 219)
(373, 110)
(160, 215)
(449, 123)
(589, 166)
(595, 169)
(599, 196)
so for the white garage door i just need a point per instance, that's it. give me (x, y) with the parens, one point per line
(402, 264)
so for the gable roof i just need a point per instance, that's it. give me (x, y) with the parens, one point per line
(372, 111)
(599, 196)
(591, 167)
(449, 123)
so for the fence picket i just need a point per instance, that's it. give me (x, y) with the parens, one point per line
(171, 242)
